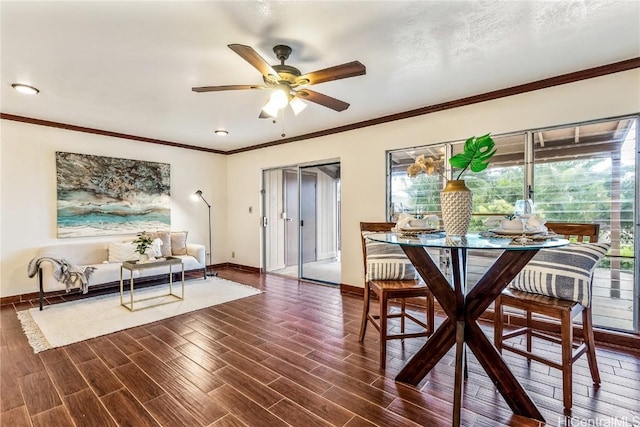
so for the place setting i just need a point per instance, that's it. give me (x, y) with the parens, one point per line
(523, 227)
(409, 225)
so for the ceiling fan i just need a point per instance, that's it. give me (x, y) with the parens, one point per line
(288, 81)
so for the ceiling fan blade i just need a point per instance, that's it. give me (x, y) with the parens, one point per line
(252, 57)
(324, 100)
(229, 87)
(350, 69)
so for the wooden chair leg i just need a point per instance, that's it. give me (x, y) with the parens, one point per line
(403, 308)
(528, 335)
(587, 330)
(566, 333)
(497, 324)
(365, 311)
(383, 331)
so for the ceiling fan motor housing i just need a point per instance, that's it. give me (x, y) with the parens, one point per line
(282, 52)
(287, 74)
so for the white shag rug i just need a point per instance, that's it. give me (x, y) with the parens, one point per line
(66, 323)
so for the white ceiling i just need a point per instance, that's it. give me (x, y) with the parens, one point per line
(128, 67)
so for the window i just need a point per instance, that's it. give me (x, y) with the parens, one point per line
(587, 173)
(579, 173)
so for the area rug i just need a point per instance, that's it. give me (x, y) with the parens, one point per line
(66, 323)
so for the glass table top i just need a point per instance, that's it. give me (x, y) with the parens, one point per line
(470, 241)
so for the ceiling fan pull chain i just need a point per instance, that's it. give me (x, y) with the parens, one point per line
(283, 114)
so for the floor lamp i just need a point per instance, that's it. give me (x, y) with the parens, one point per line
(198, 195)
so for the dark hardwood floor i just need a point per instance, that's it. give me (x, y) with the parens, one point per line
(289, 356)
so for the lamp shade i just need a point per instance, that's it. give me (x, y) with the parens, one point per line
(297, 105)
(279, 98)
(270, 109)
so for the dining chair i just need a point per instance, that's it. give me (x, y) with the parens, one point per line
(556, 283)
(390, 276)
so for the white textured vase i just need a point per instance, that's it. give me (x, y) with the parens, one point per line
(456, 201)
(143, 258)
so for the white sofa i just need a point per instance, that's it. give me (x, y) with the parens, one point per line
(96, 254)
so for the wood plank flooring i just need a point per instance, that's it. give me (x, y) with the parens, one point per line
(289, 356)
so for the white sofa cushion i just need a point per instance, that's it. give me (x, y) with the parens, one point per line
(179, 243)
(165, 237)
(122, 251)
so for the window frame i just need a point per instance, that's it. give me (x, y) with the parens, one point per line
(529, 189)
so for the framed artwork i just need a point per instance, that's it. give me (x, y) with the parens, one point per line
(98, 196)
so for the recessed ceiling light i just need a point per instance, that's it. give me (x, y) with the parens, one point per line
(29, 90)
(221, 132)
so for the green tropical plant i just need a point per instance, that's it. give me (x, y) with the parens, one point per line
(476, 155)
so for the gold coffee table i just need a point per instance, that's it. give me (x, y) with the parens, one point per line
(135, 265)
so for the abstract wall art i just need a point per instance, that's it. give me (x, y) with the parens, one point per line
(98, 196)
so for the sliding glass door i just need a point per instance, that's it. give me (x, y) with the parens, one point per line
(302, 223)
(320, 223)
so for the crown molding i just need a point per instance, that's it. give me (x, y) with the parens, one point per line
(572, 77)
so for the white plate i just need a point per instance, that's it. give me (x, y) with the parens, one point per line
(417, 228)
(514, 232)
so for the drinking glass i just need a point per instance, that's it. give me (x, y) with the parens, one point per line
(524, 207)
(523, 210)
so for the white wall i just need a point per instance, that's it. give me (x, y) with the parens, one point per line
(362, 153)
(28, 192)
(232, 183)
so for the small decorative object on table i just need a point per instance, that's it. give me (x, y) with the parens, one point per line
(409, 225)
(524, 211)
(532, 228)
(456, 199)
(143, 242)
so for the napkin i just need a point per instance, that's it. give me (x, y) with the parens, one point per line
(534, 223)
(404, 220)
(493, 222)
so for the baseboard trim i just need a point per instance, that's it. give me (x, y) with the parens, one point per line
(240, 267)
(351, 290)
(103, 288)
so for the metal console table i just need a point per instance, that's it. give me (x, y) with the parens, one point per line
(136, 266)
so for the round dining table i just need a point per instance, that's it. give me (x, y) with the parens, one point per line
(463, 307)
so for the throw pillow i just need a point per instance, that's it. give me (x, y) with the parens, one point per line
(564, 272)
(179, 242)
(387, 262)
(165, 237)
(125, 251)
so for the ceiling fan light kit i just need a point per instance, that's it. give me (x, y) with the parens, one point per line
(285, 79)
(221, 132)
(270, 110)
(297, 105)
